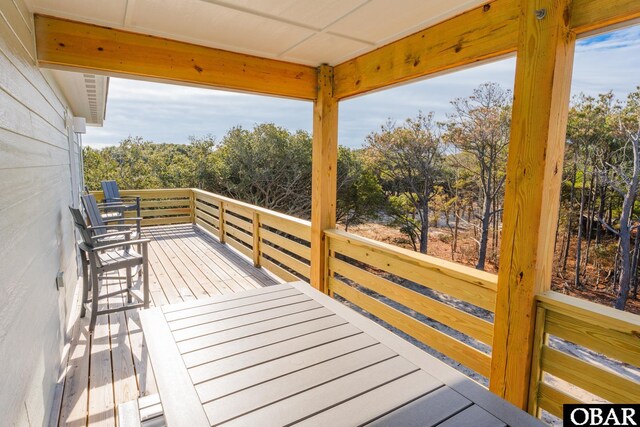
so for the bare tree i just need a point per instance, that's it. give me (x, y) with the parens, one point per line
(626, 176)
(479, 127)
(407, 159)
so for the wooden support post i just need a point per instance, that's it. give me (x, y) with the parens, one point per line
(256, 239)
(534, 174)
(221, 222)
(192, 206)
(323, 182)
(539, 340)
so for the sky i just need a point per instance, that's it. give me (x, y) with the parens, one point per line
(171, 113)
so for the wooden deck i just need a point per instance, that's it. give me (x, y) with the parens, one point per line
(111, 367)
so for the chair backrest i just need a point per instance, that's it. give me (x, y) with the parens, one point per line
(81, 225)
(111, 191)
(91, 208)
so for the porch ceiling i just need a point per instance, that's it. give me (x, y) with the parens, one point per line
(308, 32)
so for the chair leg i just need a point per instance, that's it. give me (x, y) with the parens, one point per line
(129, 285)
(95, 285)
(145, 272)
(85, 283)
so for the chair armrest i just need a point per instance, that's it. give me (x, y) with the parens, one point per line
(100, 227)
(121, 244)
(110, 204)
(133, 218)
(132, 198)
(99, 237)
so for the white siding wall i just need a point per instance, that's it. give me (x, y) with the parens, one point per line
(36, 233)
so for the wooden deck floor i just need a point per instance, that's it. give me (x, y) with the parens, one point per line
(111, 366)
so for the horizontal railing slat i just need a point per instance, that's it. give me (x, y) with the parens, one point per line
(457, 319)
(146, 213)
(238, 209)
(445, 344)
(239, 235)
(609, 386)
(240, 223)
(166, 220)
(206, 208)
(206, 226)
(591, 313)
(418, 269)
(551, 399)
(301, 231)
(171, 203)
(288, 244)
(206, 197)
(615, 344)
(239, 246)
(277, 270)
(289, 261)
(205, 216)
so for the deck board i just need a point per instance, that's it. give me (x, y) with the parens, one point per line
(112, 366)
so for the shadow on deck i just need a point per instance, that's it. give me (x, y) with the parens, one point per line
(111, 366)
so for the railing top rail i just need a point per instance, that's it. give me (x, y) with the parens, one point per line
(462, 272)
(253, 207)
(147, 192)
(591, 312)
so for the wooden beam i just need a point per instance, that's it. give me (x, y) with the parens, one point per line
(532, 197)
(590, 15)
(324, 173)
(482, 33)
(489, 31)
(74, 45)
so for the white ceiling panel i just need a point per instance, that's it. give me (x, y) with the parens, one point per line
(315, 14)
(109, 12)
(310, 32)
(381, 21)
(324, 48)
(215, 25)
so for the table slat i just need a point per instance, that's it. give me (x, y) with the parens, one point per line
(235, 333)
(244, 360)
(179, 399)
(279, 336)
(426, 411)
(473, 416)
(258, 374)
(248, 319)
(318, 399)
(268, 393)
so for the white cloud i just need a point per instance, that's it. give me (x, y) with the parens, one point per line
(171, 113)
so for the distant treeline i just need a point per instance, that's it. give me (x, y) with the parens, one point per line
(421, 173)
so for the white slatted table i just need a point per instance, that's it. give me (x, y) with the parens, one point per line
(288, 354)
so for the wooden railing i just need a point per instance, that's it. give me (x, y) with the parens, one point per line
(161, 206)
(356, 269)
(277, 242)
(601, 336)
(445, 305)
(280, 243)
